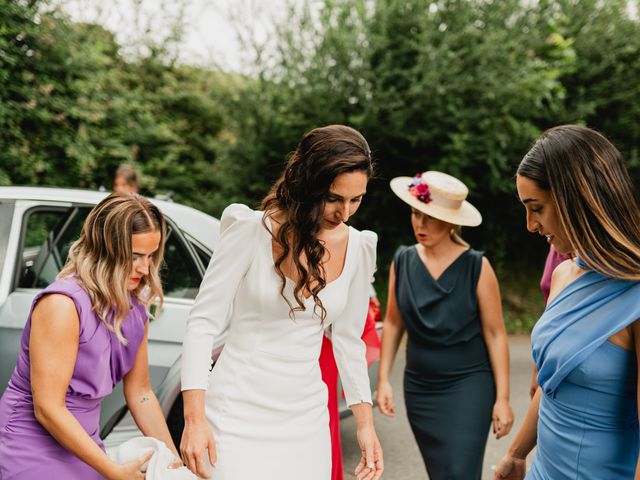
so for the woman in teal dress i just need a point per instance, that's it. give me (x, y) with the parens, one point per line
(584, 416)
(445, 295)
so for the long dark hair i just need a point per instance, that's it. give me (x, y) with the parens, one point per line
(593, 194)
(299, 196)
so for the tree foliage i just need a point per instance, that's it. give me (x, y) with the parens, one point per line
(73, 109)
(463, 86)
(453, 85)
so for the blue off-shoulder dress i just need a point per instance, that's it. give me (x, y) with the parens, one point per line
(588, 416)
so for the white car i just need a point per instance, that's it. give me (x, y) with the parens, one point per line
(37, 227)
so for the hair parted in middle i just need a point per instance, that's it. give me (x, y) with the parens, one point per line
(299, 196)
(102, 258)
(593, 194)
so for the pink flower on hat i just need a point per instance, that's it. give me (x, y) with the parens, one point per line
(419, 189)
(422, 189)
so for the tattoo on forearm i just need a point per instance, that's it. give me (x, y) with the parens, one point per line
(144, 399)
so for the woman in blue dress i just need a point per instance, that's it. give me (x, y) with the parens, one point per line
(584, 416)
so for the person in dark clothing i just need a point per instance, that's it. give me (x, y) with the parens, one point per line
(446, 296)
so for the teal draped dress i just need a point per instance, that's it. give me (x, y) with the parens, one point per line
(449, 388)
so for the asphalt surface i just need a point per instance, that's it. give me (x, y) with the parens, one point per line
(401, 454)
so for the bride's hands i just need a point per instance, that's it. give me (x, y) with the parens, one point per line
(196, 438)
(371, 463)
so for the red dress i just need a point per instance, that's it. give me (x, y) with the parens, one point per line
(329, 371)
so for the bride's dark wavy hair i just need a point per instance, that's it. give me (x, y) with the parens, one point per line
(299, 196)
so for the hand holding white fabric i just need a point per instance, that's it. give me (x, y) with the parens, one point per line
(160, 466)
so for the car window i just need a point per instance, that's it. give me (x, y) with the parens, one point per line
(50, 234)
(180, 274)
(203, 255)
(70, 232)
(39, 225)
(38, 237)
(64, 235)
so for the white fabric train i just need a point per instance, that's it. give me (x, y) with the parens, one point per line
(158, 466)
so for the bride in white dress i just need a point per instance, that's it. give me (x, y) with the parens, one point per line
(285, 273)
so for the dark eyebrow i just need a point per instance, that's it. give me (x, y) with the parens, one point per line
(335, 195)
(529, 200)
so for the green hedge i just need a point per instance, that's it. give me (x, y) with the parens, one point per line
(463, 86)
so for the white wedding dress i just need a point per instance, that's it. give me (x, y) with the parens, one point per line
(265, 400)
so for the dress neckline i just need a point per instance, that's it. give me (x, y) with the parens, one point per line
(445, 271)
(269, 229)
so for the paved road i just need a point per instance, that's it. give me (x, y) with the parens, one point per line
(402, 458)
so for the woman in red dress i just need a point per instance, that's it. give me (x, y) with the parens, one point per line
(330, 377)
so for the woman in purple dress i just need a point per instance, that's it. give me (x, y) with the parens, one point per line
(86, 332)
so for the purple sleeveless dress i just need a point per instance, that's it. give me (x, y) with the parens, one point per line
(27, 450)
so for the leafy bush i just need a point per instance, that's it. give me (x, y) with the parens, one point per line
(463, 86)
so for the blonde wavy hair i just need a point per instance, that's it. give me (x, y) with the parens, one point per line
(102, 259)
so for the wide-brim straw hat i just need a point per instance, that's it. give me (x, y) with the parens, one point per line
(445, 201)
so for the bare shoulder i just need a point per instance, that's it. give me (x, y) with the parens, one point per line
(566, 272)
(488, 281)
(56, 309)
(487, 273)
(486, 264)
(563, 275)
